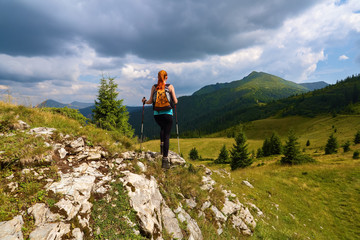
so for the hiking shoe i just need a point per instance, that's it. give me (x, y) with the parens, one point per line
(165, 163)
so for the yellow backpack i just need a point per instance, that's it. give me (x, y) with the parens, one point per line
(162, 99)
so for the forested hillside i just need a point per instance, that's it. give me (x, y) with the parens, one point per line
(210, 104)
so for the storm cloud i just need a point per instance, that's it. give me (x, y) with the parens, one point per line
(60, 49)
(156, 30)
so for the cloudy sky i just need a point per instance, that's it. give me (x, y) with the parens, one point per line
(52, 49)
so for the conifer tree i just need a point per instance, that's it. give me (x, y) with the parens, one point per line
(266, 148)
(223, 155)
(239, 153)
(357, 137)
(275, 143)
(291, 150)
(331, 145)
(193, 154)
(346, 146)
(109, 113)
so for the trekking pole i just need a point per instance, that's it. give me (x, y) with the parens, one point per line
(177, 130)
(142, 124)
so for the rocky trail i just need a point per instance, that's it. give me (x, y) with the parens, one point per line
(85, 175)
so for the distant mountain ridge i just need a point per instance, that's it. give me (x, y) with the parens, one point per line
(84, 108)
(315, 85)
(74, 105)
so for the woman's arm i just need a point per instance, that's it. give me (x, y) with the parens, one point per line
(173, 95)
(150, 101)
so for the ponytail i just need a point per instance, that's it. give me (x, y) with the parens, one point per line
(161, 80)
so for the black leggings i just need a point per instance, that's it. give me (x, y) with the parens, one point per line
(165, 123)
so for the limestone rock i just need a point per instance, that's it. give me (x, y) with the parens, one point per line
(146, 199)
(141, 166)
(170, 222)
(191, 203)
(13, 186)
(175, 159)
(94, 156)
(11, 230)
(219, 216)
(247, 184)
(42, 214)
(62, 153)
(71, 208)
(20, 125)
(77, 143)
(192, 227)
(43, 131)
(77, 234)
(53, 231)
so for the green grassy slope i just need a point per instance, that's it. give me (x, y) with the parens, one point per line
(310, 201)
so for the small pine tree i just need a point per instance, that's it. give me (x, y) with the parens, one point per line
(259, 153)
(275, 143)
(266, 148)
(194, 155)
(291, 150)
(332, 145)
(356, 155)
(357, 137)
(239, 153)
(308, 143)
(109, 113)
(346, 146)
(223, 155)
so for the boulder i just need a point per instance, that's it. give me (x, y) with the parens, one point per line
(191, 224)
(145, 199)
(62, 153)
(42, 131)
(78, 143)
(11, 230)
(50, 231)
(42, 214)
(247, 184)
(170, 222)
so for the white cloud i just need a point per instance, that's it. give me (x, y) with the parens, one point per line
(343, 57)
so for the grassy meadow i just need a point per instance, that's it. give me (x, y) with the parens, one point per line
(310, 201)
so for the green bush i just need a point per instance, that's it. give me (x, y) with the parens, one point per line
(194, 154)
(357, 137)
(356, 155)
(223, 156)
(68, 112)
(332, 145)
(239, 153)
(346, 146)
(292, 152)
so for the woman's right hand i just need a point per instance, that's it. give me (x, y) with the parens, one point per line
(143, 100)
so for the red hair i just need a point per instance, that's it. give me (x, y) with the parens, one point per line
(161, 80)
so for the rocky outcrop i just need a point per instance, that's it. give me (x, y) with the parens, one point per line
(87, 170)
(11, 230)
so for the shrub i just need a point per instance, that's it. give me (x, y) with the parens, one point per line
(239, 153)
(272, 145)
(259, 153)
(68, 112)
(332, 145)
(193, 154)
(357, 137)
(223, 156)
(356, 155)
(292, 152)
(346, 146)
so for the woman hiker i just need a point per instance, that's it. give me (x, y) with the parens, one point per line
(163, 97)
